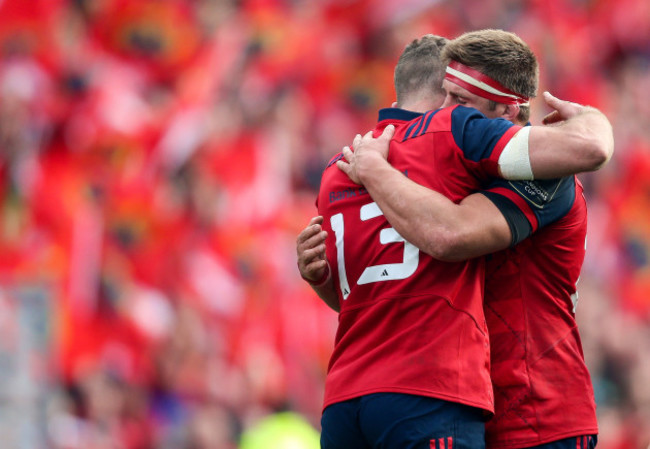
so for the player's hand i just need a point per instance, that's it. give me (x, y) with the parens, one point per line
(367, 144)
(310, 246)
(349, 165)
(365, 149)
(563, 109)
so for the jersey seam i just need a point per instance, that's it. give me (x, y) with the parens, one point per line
(370, 303)
(554, 344)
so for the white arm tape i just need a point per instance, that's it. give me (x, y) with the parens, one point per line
(514, 161)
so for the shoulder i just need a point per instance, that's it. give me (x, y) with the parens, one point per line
(479, 137)
(333, 161)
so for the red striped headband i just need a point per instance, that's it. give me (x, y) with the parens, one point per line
(482, 85)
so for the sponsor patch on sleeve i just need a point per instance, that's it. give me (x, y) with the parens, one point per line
(537, 193)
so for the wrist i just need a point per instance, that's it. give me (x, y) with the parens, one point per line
(324, 278)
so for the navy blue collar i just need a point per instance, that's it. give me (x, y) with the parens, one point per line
(397, 114)
(403, 115)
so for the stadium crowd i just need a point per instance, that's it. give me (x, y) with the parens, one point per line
(159, 157)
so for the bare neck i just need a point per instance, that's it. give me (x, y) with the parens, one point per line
(421, 103)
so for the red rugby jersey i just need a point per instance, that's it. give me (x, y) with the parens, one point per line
(409, 323)
(543, 390)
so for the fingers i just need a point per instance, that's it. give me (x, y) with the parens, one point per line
(349, 167)
(314, 269)
(318, 219)
(350, 170)
(310, 247)
(551, 118)
(312, 235)
(389, 132)
(311, 255)
(345, 168)
(311, 250)
(563, 109)
(550, 99)
(363, 145)
(356, 141)
(554, 103)
(368, 139)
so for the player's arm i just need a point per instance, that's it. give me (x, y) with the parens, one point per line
(312, 263)
(480, 224)
(575, 139)
(429, 220)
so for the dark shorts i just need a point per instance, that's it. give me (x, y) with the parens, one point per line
(401, 421)
(581, 442)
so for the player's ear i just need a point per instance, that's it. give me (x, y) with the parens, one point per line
(511, 112)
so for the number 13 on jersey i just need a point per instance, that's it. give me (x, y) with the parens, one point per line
(374, 273)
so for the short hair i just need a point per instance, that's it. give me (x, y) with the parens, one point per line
(420, 68)
(501, 55)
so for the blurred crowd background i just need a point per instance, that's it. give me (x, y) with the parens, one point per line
(158, 159)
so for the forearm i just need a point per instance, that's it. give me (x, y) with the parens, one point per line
(425, 218)
(585, 142)
(326, 290)
(327, 293)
